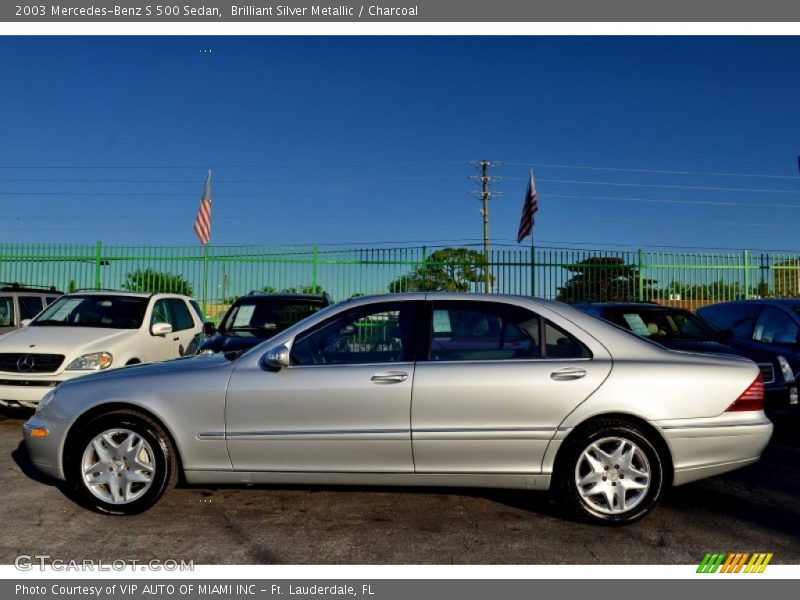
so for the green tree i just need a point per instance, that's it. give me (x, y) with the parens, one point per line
(149, 280)
(446, 270)
(603, 279)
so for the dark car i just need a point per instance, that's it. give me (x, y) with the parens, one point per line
(766, 324)
(679, 329)
(254, 318)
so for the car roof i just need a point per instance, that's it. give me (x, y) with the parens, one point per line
(630, 305)
(774, 301)
(126, 294)
(286, 296)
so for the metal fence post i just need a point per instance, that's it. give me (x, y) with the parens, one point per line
(98, 262)
(640, 293)
(424, 269)
(746, 259)
(533, 268)
(314, 270)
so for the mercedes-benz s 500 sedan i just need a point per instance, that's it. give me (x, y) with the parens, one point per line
(414, 389)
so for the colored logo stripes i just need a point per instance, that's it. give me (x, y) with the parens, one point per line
(735, 562)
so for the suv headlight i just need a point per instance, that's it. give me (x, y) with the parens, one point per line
(786, 369)
(96, 361)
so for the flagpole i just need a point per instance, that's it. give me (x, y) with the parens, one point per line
(205, 264)
(533, 267)
(533, 258)
(205, 280)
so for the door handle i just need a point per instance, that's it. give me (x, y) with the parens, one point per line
(175, 339)
(567, 374)
(389, 377)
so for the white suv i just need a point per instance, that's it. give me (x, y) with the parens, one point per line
(93, 331)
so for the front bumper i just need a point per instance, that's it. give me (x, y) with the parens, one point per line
(46, 452)
(707, 447)
(26, 391)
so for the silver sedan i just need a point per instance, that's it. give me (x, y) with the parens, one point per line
(414, 389)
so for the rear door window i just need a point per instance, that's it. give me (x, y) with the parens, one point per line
(775, 327)
(180, 317)
(7, 311)
(467, 331)
(739, 318)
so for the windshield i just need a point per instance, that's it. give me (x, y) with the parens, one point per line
(264, 317)
(94, 310)
(662, 325)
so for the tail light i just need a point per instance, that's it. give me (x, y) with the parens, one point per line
(752, 398)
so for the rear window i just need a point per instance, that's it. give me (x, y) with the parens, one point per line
(268, 315)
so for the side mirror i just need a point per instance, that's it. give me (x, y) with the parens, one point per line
(726, 334)
(25, 322)
(209, 328)
(277, 358)
(160, 328)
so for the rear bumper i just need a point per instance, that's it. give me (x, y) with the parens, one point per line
(708, 448)
(781, 401)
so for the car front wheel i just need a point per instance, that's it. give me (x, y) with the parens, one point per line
(120, 463)
(612, 473)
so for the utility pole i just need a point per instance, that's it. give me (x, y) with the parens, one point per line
(486, 195)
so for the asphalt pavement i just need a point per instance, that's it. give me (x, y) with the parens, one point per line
(756, 509)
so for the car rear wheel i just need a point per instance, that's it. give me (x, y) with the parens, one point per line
(121, 463)
(611, 473)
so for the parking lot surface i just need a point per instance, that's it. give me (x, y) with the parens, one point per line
(754, 509)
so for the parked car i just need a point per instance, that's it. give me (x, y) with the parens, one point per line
(414, 389)
(254, 318)
(679, 329)
(92, 331)
(764, 325)
(19, 302)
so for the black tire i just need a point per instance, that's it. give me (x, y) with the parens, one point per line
(565, 486)
(163, 457)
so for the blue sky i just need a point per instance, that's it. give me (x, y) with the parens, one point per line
(354, 140)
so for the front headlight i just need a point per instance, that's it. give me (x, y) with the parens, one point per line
(786, 369)
(48, 397)
(96, 361)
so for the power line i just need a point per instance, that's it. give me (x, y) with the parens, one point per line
(245, 166)
(665, 201)
(271, 180)
(653, 171)
(672, 187)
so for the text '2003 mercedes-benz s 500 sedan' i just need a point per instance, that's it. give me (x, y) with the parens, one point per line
(414, 389)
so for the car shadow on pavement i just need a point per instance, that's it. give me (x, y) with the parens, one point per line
(15, 414)
(23, 461)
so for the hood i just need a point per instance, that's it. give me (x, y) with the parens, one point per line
(70, 341)
(178, 365)
(232, 343)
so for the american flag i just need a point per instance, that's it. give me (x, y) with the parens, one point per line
(531, 206)
(202, 223)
